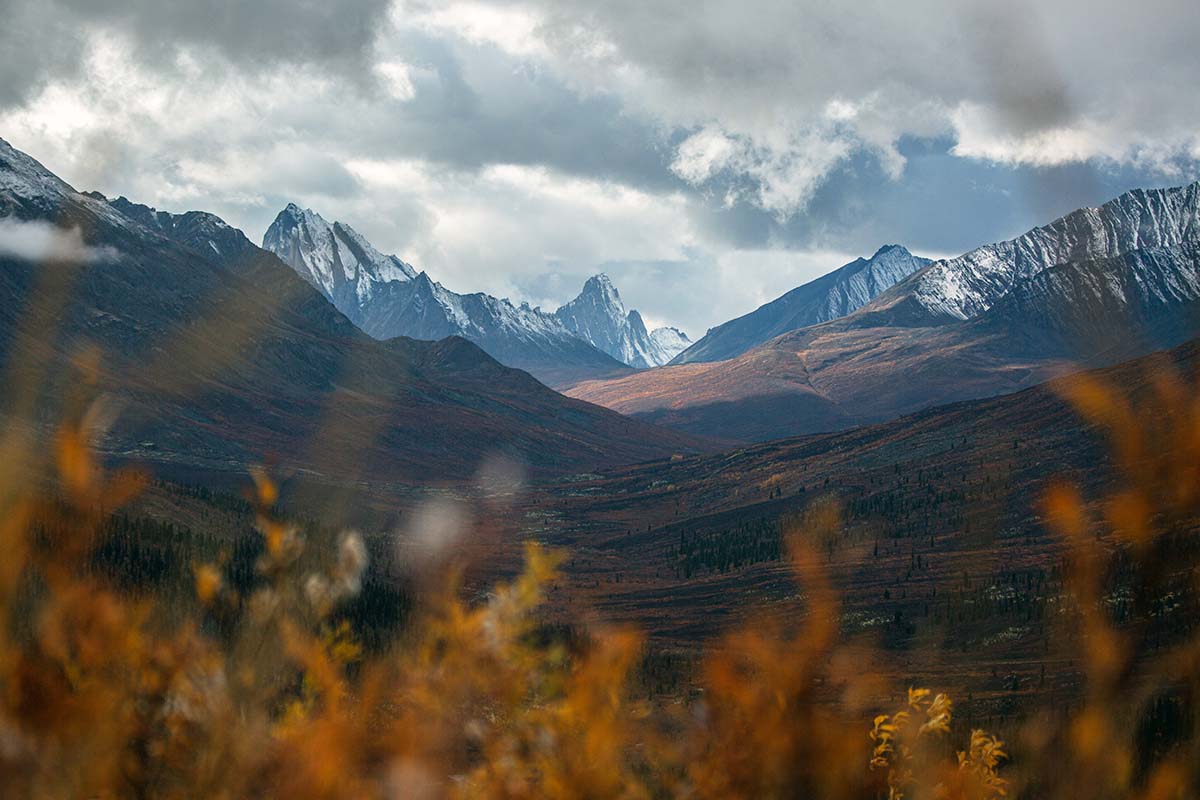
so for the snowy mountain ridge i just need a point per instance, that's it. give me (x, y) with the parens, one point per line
(409, 307)
(966, 286)
(387, 297)
(26, 183)
(28, 189)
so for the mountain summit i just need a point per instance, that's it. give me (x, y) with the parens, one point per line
(831, 296)
(599, 316)
(334, 258)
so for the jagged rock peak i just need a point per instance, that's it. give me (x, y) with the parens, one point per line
(599, 316)
(333, 257)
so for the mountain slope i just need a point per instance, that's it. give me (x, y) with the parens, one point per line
(831, 296)
(599, 316)
(997, 319)
(387, 298)
(221, 357)
(954, 489)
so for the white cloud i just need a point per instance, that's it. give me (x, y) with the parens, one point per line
(704, 154)
(511, 28)
(980, 136)
(397, 77)
(36, 240)
(783, 173)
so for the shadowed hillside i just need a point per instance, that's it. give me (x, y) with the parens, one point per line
(219, 356)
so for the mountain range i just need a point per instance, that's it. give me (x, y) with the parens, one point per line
(219, 356)
(590, 337)
(1094, 287)
(224, 353)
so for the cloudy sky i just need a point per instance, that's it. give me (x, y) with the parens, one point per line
(708, 154)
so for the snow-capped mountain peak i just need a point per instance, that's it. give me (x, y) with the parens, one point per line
(599, 316)
(601, 289)
(669, 341)
(333, 257)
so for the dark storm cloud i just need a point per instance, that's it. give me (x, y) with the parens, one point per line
(473, 106)
(34, 47)
(43, 39)
(263, 31)
(1030, 58)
